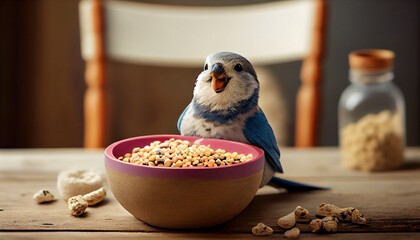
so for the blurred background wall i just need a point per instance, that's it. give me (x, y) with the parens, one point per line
(42, 74)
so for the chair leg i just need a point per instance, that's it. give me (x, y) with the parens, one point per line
(95, 105)
(308, 98)
(95, 97)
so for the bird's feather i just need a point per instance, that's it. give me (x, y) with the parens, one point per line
(181, 117)
(259, 133)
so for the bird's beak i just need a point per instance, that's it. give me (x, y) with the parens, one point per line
(219, 80)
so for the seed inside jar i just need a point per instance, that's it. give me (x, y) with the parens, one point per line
(373, 143)
(181, 154)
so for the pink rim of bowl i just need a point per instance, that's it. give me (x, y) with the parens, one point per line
(240, 170)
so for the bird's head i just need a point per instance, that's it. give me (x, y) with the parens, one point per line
(227, 79)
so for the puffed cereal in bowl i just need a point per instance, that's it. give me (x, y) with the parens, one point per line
(192, 195)
(182, 153)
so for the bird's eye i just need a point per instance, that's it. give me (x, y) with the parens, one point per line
(206, 66)
(238, 67)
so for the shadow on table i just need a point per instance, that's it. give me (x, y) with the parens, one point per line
(412, 163)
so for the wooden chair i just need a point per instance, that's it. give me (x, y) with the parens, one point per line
(271, 32)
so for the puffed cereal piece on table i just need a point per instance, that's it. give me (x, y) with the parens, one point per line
(77, 205)
(75, 182)
(95, 197)
(262, 230)
(43, 196)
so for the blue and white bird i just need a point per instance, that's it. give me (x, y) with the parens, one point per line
(225, 106)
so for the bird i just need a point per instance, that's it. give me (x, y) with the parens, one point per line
(225, 106)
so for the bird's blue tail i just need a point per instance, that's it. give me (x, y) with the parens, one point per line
(292, 186)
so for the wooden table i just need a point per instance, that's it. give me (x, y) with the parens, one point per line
(389, 200)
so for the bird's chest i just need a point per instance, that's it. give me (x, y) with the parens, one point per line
(193, 126)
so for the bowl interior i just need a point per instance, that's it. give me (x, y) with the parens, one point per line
(126, 146)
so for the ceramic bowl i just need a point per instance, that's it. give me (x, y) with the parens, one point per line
(195, 197)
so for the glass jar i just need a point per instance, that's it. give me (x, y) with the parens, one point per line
(372, 114)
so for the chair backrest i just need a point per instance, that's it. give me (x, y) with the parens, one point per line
(266, 33)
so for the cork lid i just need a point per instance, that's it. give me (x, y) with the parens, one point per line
(371, 59)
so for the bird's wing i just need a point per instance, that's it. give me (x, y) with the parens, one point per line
(181, 117)
(258, 132)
